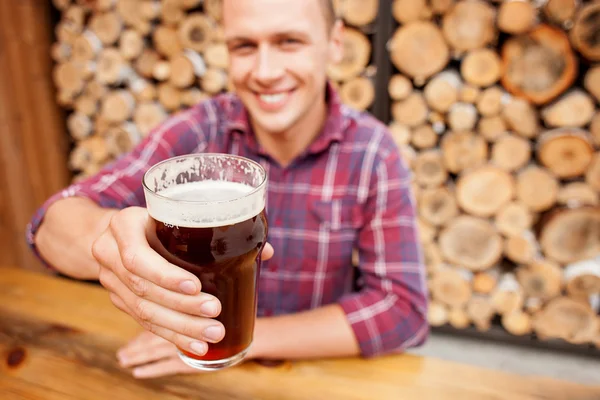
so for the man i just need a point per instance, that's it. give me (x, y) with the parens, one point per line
(336, 181)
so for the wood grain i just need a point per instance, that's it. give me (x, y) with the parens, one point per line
(53, 330)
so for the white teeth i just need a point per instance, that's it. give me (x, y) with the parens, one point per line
(272, 98)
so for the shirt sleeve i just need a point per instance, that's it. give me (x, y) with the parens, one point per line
(389, 313)
(119, 183)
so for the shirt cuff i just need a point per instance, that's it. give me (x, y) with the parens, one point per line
(383, 323)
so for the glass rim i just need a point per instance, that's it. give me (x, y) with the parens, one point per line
(260, 186)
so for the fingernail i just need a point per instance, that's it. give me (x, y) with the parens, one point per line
(209, 308)
(188, 287)
(214, 333)
(139, 373)
(199, 348)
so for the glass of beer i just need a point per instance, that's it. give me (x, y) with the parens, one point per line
(209, 211)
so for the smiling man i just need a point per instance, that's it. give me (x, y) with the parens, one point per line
(336, 182)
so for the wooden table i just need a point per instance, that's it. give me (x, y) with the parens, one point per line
(58, 340)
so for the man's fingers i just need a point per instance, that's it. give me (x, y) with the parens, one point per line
(146, 355)
(170, 366)
(129, 230)
(267, 252)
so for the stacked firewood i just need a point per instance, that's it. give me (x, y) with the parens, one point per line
(124, 66)
(494, 105)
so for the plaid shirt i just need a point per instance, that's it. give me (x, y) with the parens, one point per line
(349, 189)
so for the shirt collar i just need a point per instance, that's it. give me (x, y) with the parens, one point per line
(332, 131)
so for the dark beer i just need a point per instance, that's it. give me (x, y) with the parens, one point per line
(216, 229)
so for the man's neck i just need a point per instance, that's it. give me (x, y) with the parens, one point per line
(284, 147)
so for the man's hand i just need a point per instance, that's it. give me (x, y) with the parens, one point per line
(163, 298)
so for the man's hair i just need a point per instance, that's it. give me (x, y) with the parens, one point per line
(330, 13)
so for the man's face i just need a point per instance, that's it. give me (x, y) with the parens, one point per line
(278, 56)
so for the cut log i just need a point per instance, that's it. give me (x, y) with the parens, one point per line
(79, 125)
(131, 44)
(117, 106)
(437, 206)
(68, 78)
(148, 116)
(538, 66)
(166, 41)
(411, 111)
(577, 194)
(458, 318)
(533, 305)
(567, 153)
(189, 4)
(491, 128)
(150, 9)
(440, 6)
(101, 125)
(88, 153)
(358, 93)
(169, 96)
(470, 25)
(129, 11)
(86, 105)
(357, 53)
(121, 139)
(586, 30)
(196, 32)
(214, 80)
(516, 17)
(358, 12)
(491, 101)
(462, 117)
(104, 5)
(484, 191)
(214, 8)
(429, 169)
(441, 92)
(592, 176)
(66, 33)
(469, 94)
(419, 50)
(582, 279)
(74, 16)
(60, 52)
(511, 152)
(186, 68)
(96, 89)
(567, 319)
(172, 13)
(463, 150)
(405, 11)
(480, 312)
(575, 109)
(399, 87)
(86, 46)
(484, 282)
(424, 137)
(513, 219)
(216, 55)
(433, 257)
(591, 82)
(400, 133)
(481, 67)
(470, 242)
(437, 121)
(162, 71)
(142, 89)
(427, 232)
(537, 188)
(450, 287)
(61, 5)
(571, 235)
(508, 296)
(409, 155)
(112, 69)
(107, 26)
(437, 314)
(193, 96)
(146, 62)
(561, 12)
(521, 117)
(520, 249)
(517, 323)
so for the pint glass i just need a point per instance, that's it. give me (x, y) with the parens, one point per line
(210, 219)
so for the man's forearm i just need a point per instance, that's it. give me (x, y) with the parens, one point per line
(65, 237)
(320, 333)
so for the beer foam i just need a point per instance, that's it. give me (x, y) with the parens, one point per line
(174, 200)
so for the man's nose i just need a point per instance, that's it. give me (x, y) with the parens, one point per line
(268, 66)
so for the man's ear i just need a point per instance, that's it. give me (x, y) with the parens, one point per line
(336, 42)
